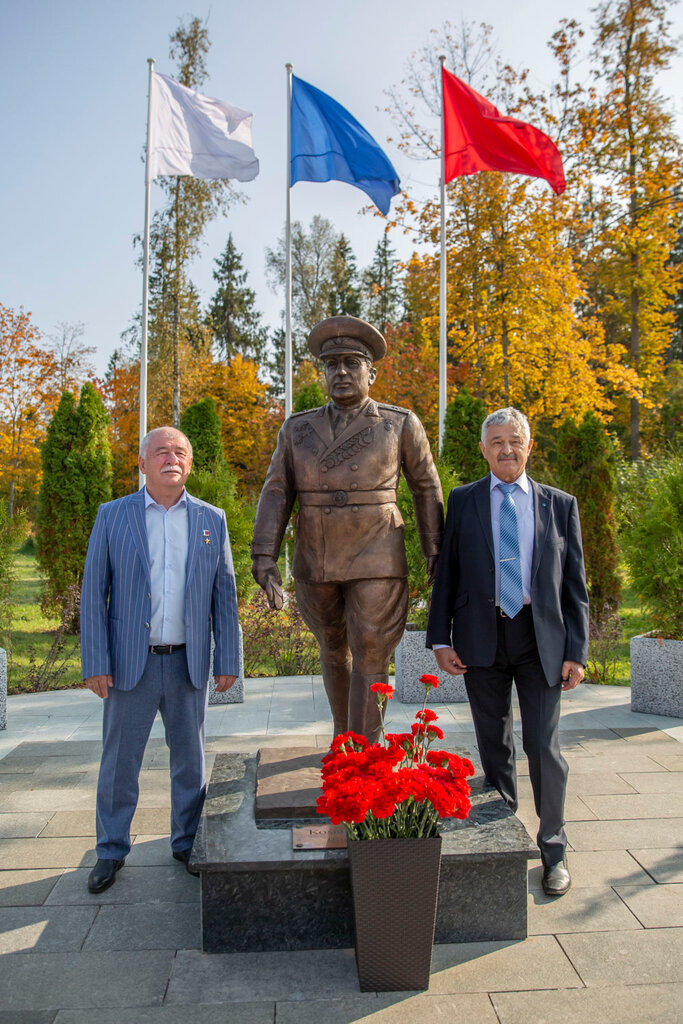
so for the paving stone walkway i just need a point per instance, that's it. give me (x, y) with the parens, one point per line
(609, 952)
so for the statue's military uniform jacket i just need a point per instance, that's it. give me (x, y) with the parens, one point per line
(348, 525)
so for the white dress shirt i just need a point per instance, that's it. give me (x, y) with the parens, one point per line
(167, 539)
(524, 505)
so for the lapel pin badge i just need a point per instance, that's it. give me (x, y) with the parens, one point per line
(207, 539)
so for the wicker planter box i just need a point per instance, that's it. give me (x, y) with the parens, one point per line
(395, 886)
(657, 676)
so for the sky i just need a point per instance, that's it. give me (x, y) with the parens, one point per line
(73, 81)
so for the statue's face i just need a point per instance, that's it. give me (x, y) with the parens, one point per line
(349, 378)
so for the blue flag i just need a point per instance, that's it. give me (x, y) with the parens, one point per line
(328, 144)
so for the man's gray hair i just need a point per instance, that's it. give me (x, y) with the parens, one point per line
(144, 444)
(508, 415)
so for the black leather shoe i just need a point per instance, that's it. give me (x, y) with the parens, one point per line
(184, 857)
(556, 879)
(104, 874)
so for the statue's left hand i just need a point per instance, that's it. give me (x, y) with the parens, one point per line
(432, 562)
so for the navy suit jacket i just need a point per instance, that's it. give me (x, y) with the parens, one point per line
(116, 603)
(463, 610)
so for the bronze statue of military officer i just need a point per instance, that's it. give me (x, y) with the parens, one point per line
(343, 462)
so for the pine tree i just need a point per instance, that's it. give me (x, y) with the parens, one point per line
(201, 424)
(344, 296)
(462, 433)
(382, 288)
(234, 320)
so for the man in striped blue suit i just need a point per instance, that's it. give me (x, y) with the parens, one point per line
(158, 580)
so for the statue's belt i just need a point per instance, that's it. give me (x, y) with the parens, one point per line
(339, 498)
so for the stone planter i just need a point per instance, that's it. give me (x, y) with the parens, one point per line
(657, 676)
(235, 695)
(412, 660)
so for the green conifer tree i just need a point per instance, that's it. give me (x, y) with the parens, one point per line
(462, 433)
(586, 467)
(201, 424)
(77, 478)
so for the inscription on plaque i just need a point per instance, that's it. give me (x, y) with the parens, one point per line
(319, 837)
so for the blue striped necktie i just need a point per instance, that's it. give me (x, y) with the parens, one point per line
(511, 596)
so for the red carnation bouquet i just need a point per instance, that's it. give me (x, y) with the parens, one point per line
(398, 788)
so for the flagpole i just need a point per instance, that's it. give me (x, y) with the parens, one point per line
(288, 253)
(145, 269)
(442, 277)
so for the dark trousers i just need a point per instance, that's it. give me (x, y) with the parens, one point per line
(490, 695)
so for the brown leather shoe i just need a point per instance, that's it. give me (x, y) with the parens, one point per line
(556, 879)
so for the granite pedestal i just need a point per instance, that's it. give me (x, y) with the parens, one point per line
(258, 893)
(235, 695)
(412, 660)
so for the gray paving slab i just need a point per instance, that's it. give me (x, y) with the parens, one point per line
(245, 977)
(47, 853)
(55, 748)
(146, 926)
(243, 1013)
(586, 909)
(638, 805)
(575, 809)
(644, 957)
(635, 1004)
(25, 782)
(147, 820)
(664, 864)
(585, 784)
(45, 798)
(646, 736)
(27, 888)
(672, 762)
(501, 966)
(658, 906)
(150, 851)
(395, 1009)
(655, 782)
(634, 834)
(625, 761)
(44, 929)
(14, 763)
(42, 981)
(133, 885)
(27, 1017)
(596, 868)
(20, 825)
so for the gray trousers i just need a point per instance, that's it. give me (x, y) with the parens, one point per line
(127, 722)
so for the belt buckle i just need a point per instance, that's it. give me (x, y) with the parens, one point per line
(340, 498)
(502, 613)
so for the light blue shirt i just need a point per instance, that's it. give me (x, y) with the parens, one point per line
(524, 505)
(167, 539)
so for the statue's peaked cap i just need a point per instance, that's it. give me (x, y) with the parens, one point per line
(346, 334)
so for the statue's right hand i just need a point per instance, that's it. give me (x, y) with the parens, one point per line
(266, 573)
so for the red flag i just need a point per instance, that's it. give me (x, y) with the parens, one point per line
(477, 138)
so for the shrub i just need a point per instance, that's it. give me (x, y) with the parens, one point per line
(278, 640)
(586, 467)
(419, 589)
(462, 432)
(653, 543)
(201, 424)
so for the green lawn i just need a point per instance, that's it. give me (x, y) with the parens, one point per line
(33, 637)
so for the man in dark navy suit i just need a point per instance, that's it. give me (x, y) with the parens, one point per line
(510, 602)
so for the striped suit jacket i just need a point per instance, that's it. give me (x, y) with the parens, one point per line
(116, 605)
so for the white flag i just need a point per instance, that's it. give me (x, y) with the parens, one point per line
(196, 135)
